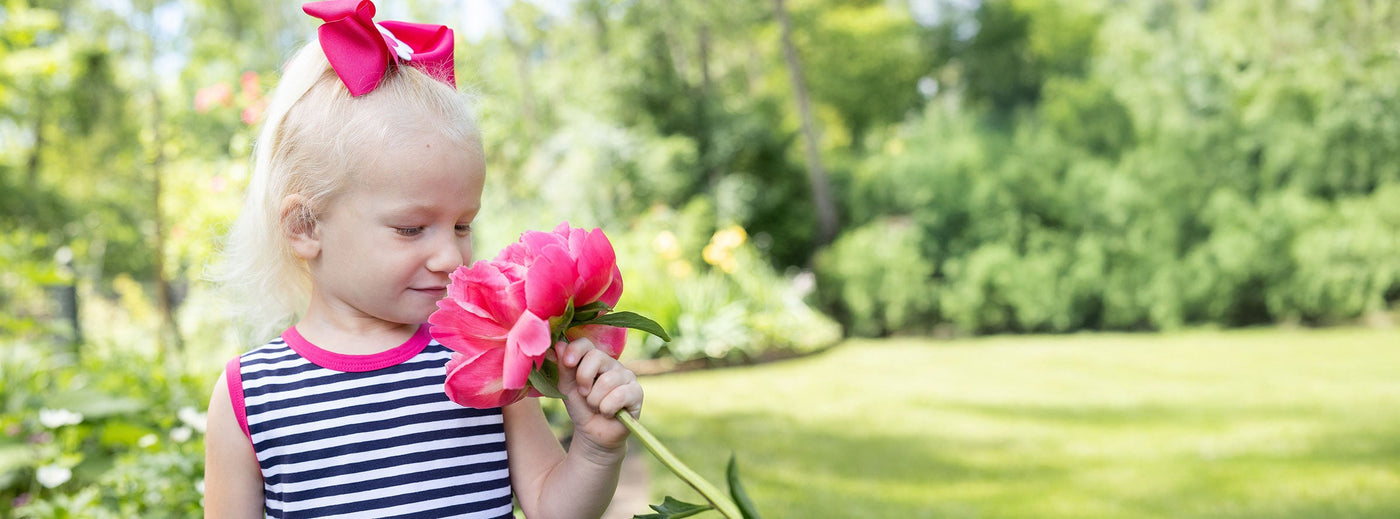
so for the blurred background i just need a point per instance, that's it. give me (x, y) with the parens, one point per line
(1025, 258)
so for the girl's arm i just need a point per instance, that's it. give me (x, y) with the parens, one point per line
(233, 485)
(550, 484)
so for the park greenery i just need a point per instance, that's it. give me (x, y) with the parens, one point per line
(1237, 424)
(775, 174)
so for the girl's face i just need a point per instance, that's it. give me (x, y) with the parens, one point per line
(390, 240)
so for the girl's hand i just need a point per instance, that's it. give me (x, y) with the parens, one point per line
(596, 387)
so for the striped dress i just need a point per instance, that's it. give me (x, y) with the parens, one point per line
(367, 435)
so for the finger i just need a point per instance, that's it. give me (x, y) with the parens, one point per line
(570, 353)
(602, 384)
(566, 376)
(593, 364)
(608, 382)
(627, 396)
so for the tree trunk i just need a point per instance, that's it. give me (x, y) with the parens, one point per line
(704, 142)
(816, 173)
(598, 11)
(34, 162)
(168, 336)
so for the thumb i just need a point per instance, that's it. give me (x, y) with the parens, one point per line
(568, 375)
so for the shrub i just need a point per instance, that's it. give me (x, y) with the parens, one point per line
(876, 280)
(107, 436)
(714, 292)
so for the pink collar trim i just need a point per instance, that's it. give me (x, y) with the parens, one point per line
(357, 363)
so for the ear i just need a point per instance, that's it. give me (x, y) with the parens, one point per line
(298, 224)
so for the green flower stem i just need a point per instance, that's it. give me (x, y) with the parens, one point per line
(718, 499)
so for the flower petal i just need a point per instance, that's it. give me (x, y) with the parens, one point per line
(610, 339)
(550, 282)
(526, 345)
(573, 237)
(463, 331)
(475, 381)
(479, 288)
(614, 291)
(560, 234)
(535, 242)
(596, 264)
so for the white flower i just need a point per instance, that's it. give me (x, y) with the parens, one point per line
(147, 441)
(181, 434)
(928, 86)
(803, 283)
(200, 487)
(55, 418)
(192, 418)
(53, 475)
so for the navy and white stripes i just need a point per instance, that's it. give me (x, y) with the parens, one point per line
(382, 440)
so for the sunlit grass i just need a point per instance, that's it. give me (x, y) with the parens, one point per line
(1243, 424)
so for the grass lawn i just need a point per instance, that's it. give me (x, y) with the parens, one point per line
(1238, 424)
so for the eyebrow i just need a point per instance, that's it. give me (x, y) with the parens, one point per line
(408, 210)
(411, 210)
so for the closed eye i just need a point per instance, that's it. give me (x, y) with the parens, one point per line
(408, 231)
(463, 229)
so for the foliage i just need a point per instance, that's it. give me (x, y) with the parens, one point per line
(1015, 166)
(718, 298)
(1120, 166)
(878, 279)
(866, 59)
(104, 436)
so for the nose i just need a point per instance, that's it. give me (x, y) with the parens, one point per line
(449, 254)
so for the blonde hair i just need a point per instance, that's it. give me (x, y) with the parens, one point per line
(312, 144)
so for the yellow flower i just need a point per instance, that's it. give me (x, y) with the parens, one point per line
(730, 237)
(713, 254)
(720, 251)
(680, 269)
(666, 245)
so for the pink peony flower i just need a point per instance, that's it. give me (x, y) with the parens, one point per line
(568, 266)
(501, 317)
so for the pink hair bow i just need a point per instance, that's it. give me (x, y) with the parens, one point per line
(360, 49)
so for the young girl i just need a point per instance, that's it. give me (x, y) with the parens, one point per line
(368, 174)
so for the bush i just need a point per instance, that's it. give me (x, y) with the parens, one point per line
(1153, 182)
(1346, 261)
(713, 292)
(107, 436)
(876, 280)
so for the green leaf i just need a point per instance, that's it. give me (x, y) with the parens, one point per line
(634, 321)
(94, 404)
(736, 490)
(587, 312)
(122, 434)
(561, 323)
(545, 379)
(672, 508)
(13, 457)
